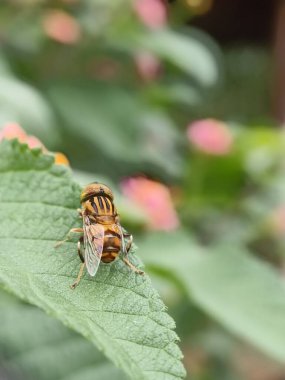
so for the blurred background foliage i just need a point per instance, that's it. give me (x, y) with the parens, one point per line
(132, 92)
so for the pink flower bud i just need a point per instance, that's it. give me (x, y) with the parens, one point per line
(61, 27)
(210, 136)
(11, 131)
(34, 142)
(14, 131)
(154, 198)
(148, 65)
(152, 13)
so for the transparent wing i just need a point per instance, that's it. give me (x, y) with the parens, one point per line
(123, 244)
(93, 246)
(124, 247)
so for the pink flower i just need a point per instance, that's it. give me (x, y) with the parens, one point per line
(34, 142)
(61, 27)
(148, 65)
(13, 130)
(152, 13)
(210, 136)
(154, 198)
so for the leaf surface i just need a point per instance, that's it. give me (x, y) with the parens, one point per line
(38, 347)
(107, 112)
(242, 293)
(184, 51)
(118, 310)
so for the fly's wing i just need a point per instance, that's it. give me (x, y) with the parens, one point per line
(123, 244)
(93, 246)
(124, 247)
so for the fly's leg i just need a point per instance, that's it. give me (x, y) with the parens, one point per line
(128, 247)
(133, 268)
(80, 273)
(79, 248)
(72, 231)
(130, 241)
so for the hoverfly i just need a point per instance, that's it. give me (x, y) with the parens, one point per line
(103, 237)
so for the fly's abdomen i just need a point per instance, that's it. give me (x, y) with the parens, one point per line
(112, 246)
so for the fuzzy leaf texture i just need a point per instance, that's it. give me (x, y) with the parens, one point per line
(118, 310)
(244, 294)
(35, 346)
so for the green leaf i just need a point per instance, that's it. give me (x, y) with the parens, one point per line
(5, 70)
(242, 293)
(32, 342)
(118, 310)
(22, 103)
(140, 134)
(186, 52)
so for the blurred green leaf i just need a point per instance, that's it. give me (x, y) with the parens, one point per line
(213, 180)
(262, 149)
(37, 347)
(256, 157)
(242, 293)
(118, 310)
(4, 66)
(21, 103)
(183, 51)
(118, 124)
(242, 97)
(173, 93)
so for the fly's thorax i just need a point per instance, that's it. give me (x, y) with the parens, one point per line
(87, 208)
(105, 219)
(100, 205)
(96, 188)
